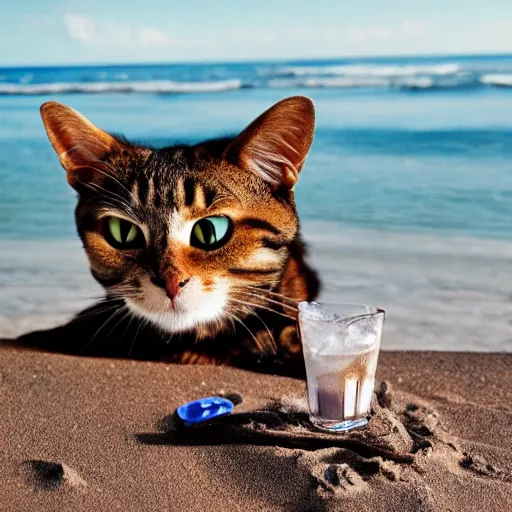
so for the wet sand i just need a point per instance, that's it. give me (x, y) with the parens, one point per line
(439, 293)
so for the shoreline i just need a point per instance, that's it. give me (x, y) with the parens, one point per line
(439, 293)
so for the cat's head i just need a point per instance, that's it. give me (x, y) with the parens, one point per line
(190, 237)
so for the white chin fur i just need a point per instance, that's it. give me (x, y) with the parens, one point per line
(193, 306)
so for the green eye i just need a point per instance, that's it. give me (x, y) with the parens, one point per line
(122, 234)
(210, 233)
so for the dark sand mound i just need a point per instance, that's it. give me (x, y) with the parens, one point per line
(91, 434)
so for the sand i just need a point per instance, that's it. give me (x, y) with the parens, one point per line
(99, 434)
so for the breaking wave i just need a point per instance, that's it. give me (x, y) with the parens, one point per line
(356, 82)
(150, 86)
(497, 80)
(370, 70)
(403, 77)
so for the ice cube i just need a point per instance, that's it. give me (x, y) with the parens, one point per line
(330, 344)
(320, 338)
(335, 334)
(313, 320)
(363, 333)
(312, 311)
(321, 330)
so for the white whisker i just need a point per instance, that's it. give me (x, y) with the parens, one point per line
(270, 300)
(258, 344)
(269, 292)
(120, 310)
(263, 307)
(268, 330)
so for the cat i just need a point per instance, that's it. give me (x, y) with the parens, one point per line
(198, 246)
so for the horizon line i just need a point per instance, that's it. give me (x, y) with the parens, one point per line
(260, 60)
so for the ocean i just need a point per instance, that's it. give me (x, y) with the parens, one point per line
(405, 200)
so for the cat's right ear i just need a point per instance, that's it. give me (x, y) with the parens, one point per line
(80, 145)
(275, 145)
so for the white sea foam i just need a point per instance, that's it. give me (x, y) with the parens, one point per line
(382, 76)
(153, 86)
(346, 82)
(498, 80)
(356, 82)
(373, 70)
(355, 76)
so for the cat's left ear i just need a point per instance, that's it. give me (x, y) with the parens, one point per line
(80, 145)
(276, 144)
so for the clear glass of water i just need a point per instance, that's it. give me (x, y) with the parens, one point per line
(341, 346)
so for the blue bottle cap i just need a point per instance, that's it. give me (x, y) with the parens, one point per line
(204, 409)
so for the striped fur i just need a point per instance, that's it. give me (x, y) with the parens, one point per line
(238, 303)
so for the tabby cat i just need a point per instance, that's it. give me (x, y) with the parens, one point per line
(197, 246)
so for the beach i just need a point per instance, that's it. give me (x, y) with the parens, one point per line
(405, 203)
(84, 434)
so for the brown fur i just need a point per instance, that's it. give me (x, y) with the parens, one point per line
(250, 180)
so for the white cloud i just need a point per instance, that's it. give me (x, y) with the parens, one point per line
(88, 31)
(80, 27)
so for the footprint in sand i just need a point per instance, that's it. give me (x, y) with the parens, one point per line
(49, 476)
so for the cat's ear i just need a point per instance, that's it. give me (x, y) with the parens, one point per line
(80, 145)
(276, 144)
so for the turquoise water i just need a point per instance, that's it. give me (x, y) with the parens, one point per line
(411, 153)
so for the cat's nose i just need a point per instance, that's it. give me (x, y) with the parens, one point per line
(173, 285)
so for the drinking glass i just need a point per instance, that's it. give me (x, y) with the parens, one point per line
(341, 346)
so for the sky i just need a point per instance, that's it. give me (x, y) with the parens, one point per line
(53, 32)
